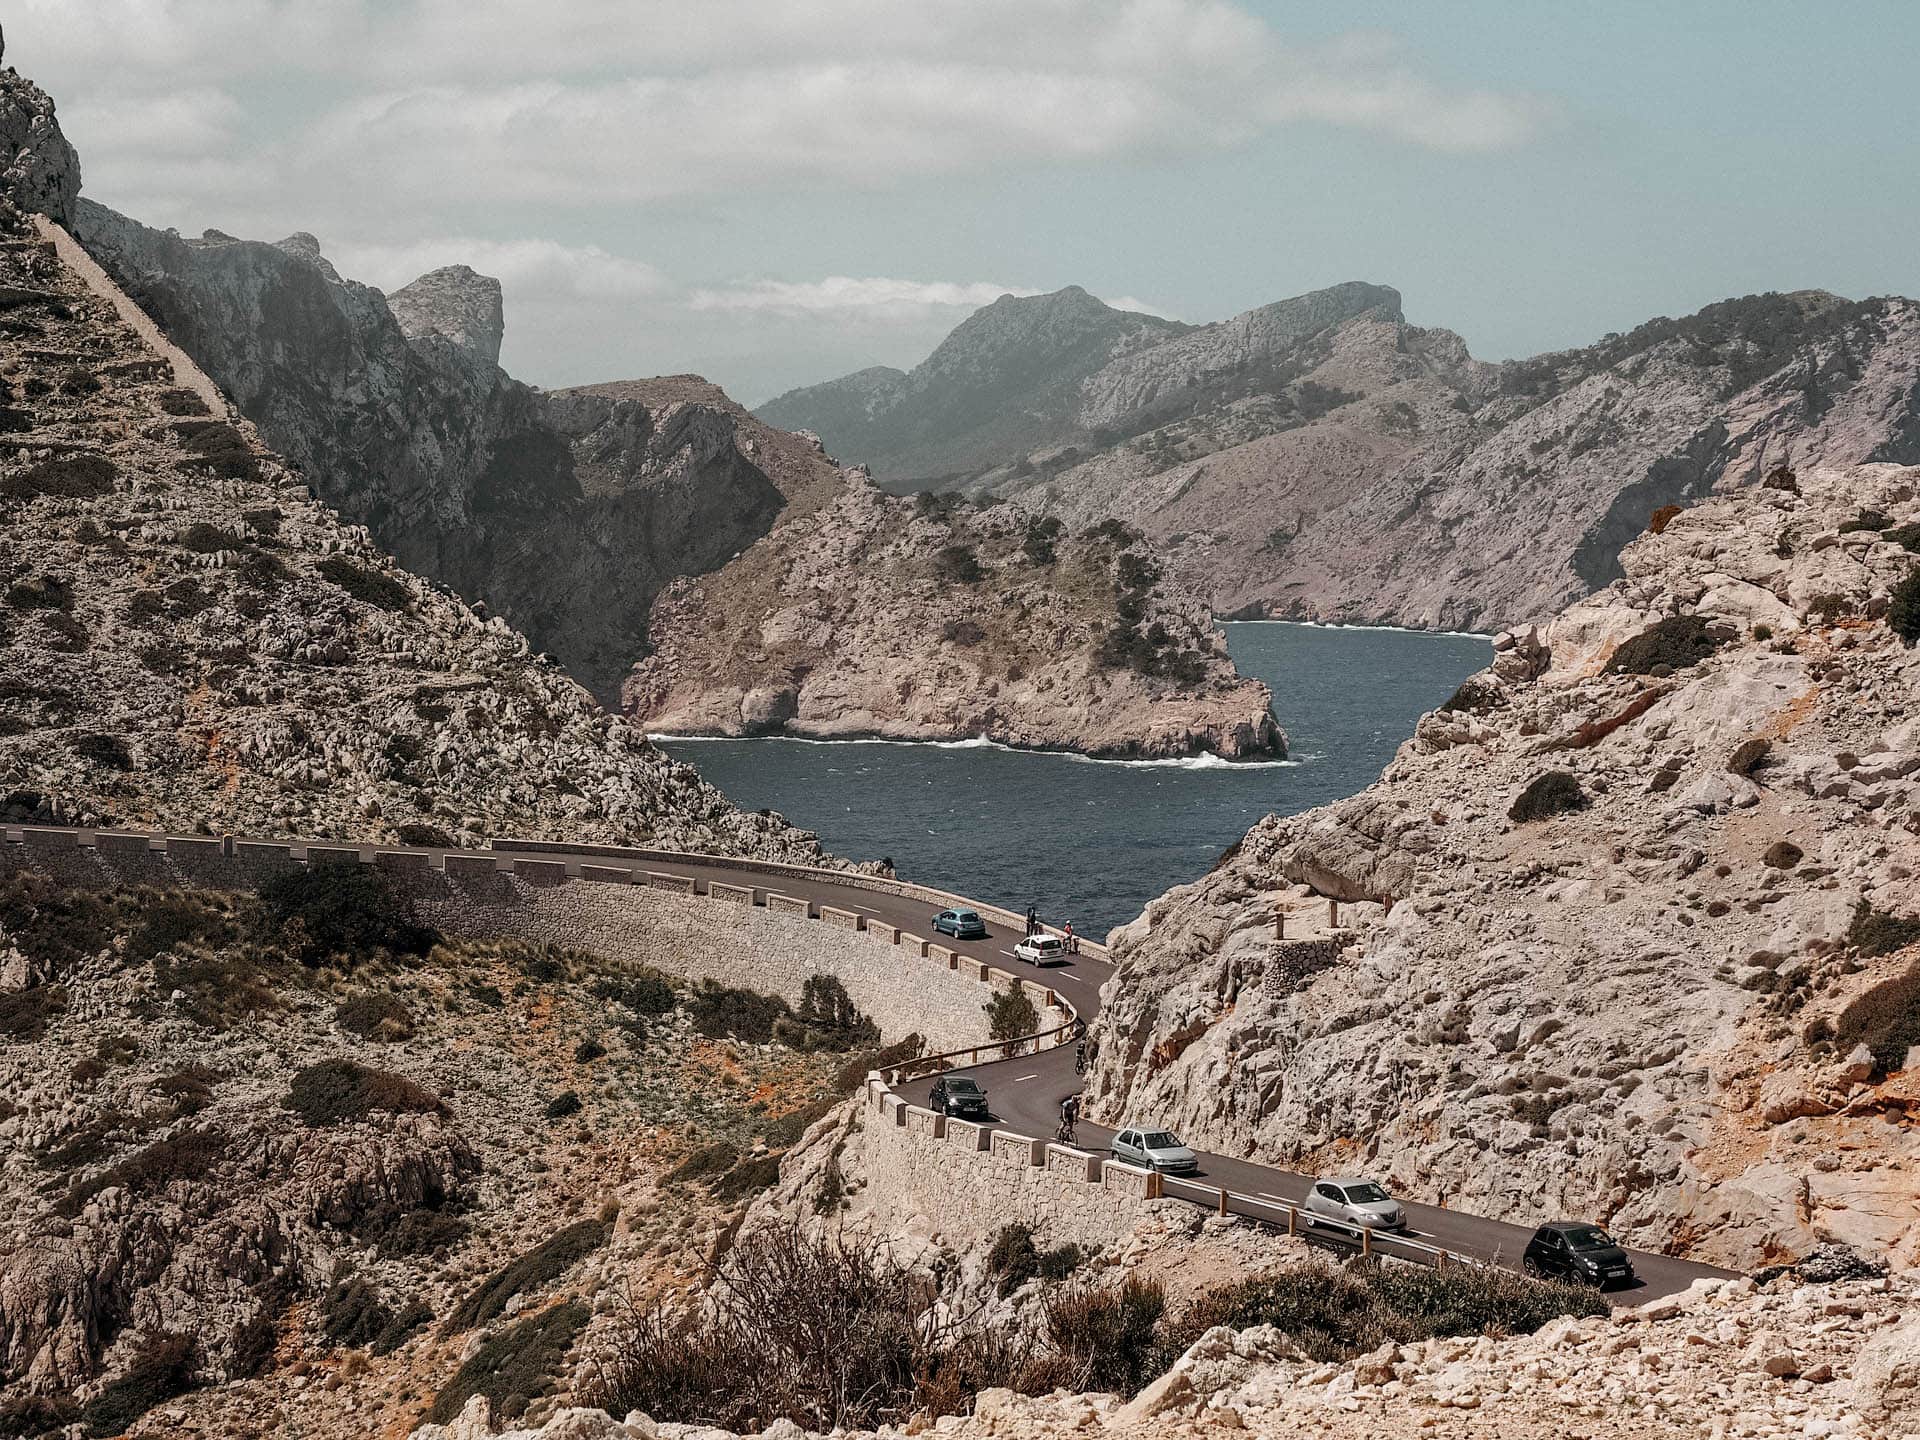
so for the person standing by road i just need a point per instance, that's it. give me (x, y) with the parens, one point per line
(1033, 920)
(1073, 941)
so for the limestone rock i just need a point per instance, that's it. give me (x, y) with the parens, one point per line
(39, 171)
(456, 304)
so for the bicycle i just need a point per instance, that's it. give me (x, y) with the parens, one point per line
(1067, 1134)
(1080, 1058)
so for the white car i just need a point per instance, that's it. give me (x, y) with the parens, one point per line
(1154, 1150)
(1042, 950)
(1353, 1204)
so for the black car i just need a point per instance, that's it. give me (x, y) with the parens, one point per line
(957, 1095)
(1577, 1251)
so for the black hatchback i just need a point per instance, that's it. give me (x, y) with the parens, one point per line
(1577, 1251)
(957, 1095)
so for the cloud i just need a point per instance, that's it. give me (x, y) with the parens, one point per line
(469, 103)
(867, 298)
(532, 270)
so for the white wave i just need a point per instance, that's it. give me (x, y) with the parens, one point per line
(1383, 629)
(980, 742)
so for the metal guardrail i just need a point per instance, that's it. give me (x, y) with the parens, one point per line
(1285, 1215)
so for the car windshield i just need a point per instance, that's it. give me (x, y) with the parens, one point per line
(1047, 942)
(1366, 1193)
(1589, 1237)
(962, 1087)
(1160, 1140)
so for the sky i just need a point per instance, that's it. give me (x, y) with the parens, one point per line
(775, 192)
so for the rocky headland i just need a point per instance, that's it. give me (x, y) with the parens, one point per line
(934, 619)
(1628, 929)
(1321, 458)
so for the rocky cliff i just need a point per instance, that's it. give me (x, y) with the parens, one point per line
(931, 619)
(189, 641)
(1629, 929)
(565, 518)
(1321, 458)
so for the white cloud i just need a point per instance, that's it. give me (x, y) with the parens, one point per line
(867, 298)
(530, 270)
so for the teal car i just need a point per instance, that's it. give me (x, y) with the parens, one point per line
(961, 924)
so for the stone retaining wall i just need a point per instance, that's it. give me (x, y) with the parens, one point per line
(931, 1175)
(607, 911)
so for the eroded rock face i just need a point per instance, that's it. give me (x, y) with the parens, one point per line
(1627, 1009)
(39, 171)
(872, 615)
(564, 514)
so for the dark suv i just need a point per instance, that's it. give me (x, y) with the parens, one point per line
(957, 1095)
(1574, 1250)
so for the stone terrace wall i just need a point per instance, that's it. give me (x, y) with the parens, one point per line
(929, 1174)
(695, 937)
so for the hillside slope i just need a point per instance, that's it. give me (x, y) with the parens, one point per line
(1320, 458)
(190, 642)
(1677, 992)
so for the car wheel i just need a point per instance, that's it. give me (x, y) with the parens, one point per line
(1532, 1267)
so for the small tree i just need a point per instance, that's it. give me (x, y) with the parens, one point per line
(1043, 536)
(958, 565)
(1011, 1016)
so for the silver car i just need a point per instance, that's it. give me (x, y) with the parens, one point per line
(1353, 1205)
(1154, 1150)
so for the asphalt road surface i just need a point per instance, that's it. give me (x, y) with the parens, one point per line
(1025, 1092)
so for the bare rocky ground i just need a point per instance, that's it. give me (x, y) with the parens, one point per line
(190, 642)
(927, 619)
(1683, 1006)
(163, 1177)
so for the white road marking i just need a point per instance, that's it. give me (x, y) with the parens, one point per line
(1018, 1078)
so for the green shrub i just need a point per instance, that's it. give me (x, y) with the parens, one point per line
(54, 927)
(647, 992)
(1011, 1013)
(162, 1368)
(206, 539)
(189, 1155)
(190, 1087)
(169, 919)
(429, 1231)
(704, 1163)
(1554, 793)
(1328, 1312)
(1903, 614)
(376, 1015)
(430, 837)
(352, 1313)
(827, 1020)
(1879, 932)
(336, 1091)
(1110, 1334)
(852, 1075)
(748, 1177)
(957, 565)
(588, 1051)
(1675, 643)
(784, 1132)
(549, 1260)
(24, 1415)
(109, 752)
(370, 587)
(400, 1327)
(1042, 539)
(722, 1011)
(566, 1103)
(344, 911)
(1466, 1301)
(72, 477)
(1015, 1259)
(515, 1365)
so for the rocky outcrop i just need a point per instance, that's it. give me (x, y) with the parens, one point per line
(878, 616)
(190, 642)
(39, 172)
(1652, 990)
(461, 307)
(1321, 458)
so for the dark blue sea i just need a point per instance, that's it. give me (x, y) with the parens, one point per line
(1092, 841)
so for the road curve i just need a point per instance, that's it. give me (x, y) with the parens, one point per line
(1026, 1091)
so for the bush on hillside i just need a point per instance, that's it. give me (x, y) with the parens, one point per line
(958, 565)
(1110, 1335)
(547, 1261)
(377, 1015)
(827, 1020)
(566, 1103)
(1042, 540)
(334, 1092)
(1875, 932)
(1014, 1259)
(188, 1155)
(1903, 613)
(723, 1011)
(70, 477)
(1554, 793)
(514, 1366)
(341, 912)
(369, 587)
(1675, 643)
(162, 1369)
(1011, 1014)
(646, 992)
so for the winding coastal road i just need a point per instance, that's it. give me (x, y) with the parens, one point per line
(1025, 1092)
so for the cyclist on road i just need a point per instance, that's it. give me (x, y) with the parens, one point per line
(1069, 1119)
